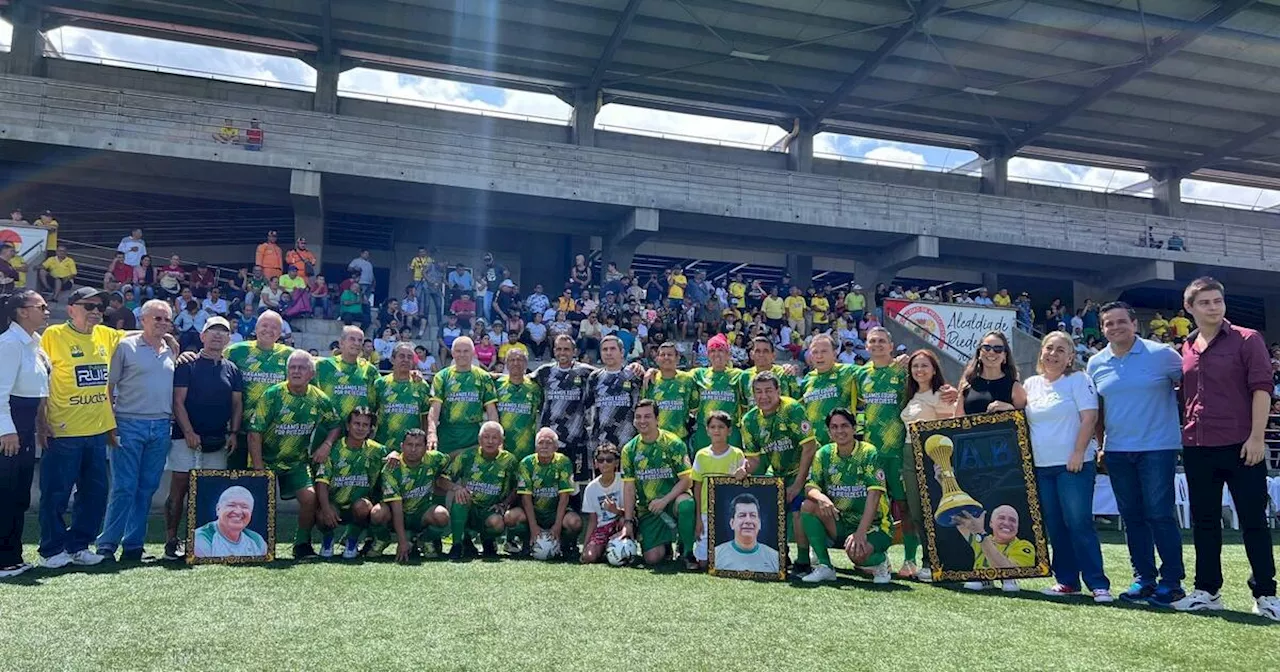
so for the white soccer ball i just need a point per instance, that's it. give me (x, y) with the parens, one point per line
(545, 547)
(621, 551)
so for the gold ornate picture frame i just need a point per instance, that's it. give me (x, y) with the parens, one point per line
(207, 489)
(767, 561)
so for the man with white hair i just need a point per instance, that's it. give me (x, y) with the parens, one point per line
(229, 535)
(141, 384)
(544, 485)
(283, 429)
(462, 397)
(262, 363)
(484, 479)
(347, 379)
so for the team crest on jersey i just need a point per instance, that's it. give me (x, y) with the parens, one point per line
(76, 351)
(879, 474)
(806, 427)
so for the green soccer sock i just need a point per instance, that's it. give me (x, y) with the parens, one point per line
(686, 521)
(519, 532)
(382, 533)
(351, 531)
(814, 529)
(301, 536)
(458, 514)
(911, 546)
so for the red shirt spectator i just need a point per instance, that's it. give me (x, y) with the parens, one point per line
(203, 280)
(122, 272)
(463, 307)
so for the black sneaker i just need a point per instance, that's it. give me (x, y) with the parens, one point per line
(438, 545)
(303, 551)
(367, 548)
(570, 553)
(136, 555)
(469, 549)
(173, 550)
(108, 557)
(457, 553)
(490, 549)
(800, 568)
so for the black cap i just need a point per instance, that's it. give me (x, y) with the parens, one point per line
(85, 293)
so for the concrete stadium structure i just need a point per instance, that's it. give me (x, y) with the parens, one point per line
(540, 192)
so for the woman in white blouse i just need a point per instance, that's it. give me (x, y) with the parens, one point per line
(925, 389)
(24, 387)
(1062, 411)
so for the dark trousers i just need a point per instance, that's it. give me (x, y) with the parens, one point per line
(1208, 469)
(16, 472)
(76, 463)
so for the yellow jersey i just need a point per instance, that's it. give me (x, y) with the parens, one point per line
(821, 306)
(676, 289)
(1159, 326)
(1180, 326)
(796, 306)
(1019, 551)
(78, 403)
(51, 238)
(1002, 301)
(60, 268)
(738, 295)
(772, 307)
(419, 265)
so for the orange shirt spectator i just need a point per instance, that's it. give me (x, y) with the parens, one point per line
(270, 257)
(302, 259)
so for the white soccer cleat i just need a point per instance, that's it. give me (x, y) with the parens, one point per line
(17, 570)
(925, 575)
(511, 547)
(326, 546)
(1103, 596)
(86, 558)
(820, 574)
(1199, 600)
(351, 550)
(978, 585)
(1267, 607)
(1010, 586)
(55, 561)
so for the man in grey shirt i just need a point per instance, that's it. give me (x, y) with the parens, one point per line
(362, 264)
(141, 383)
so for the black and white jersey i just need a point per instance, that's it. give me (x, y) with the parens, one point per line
(612, 397)
(564, 393)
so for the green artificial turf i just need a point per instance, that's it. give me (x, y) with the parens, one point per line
(526, 615)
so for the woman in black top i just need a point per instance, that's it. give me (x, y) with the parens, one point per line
(991, 379)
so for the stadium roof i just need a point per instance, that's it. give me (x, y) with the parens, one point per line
(1187, 85)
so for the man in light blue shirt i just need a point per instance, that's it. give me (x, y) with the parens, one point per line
(1141, 437)
(459, 282)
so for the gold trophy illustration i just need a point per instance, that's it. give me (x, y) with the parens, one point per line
(954, 500)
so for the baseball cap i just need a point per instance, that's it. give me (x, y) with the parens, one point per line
(216, 321)
(86, 293)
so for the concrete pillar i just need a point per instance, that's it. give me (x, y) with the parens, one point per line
(995, 172)
(1084, 290)
(583, 121)
(26, 52)
(800, 150)
(800, 267)
(328, 68)
(620, 247)
(1166, 189)
(992, 282)
(308, 210)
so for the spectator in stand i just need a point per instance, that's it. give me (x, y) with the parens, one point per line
(418, 270)
(16, 218)
(507, 303)
(296, 303)
(133, 247)
(1180, 326)
(855, 302)
(292, 282)
(214, 304)
(589, 335)
(426, 362)
(184, 297)
(677, 284)
(983, 298)
(302, 260)
(1092, 320)
(385, 343)
(118, 316)
(464, 309)
(566, 304)
(409, 308)
(203, 279)
(493, 276)
(351, 310)
(536, 303)
(797, 309)
(486, 353)
(449, 333)
(254, 137)
(58, 273)
(775, 310)
(1002, 299)
(119, 271)
(579, 276)
(321, 304)
(1175, 243)
(1159, 327)
(172, 277)
(256, 282)
(272, 294)
(365, 267)
(188, 324)
(481, 288)
(1026, 316)
(8, 274)
(460, 281)
(1077, 325)
(391, 315)
(535, 336)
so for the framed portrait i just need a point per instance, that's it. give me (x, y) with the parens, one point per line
(978, 490)
(747, 528)
(231, 517)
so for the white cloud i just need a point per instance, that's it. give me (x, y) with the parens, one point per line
(1071, 175)
(896, 156)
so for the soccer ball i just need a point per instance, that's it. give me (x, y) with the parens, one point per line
(545, 547)
(621, 551)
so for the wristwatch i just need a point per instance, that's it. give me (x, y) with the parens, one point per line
(980, 537)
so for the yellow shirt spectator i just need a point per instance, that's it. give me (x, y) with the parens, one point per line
(1180, 326)
(855, 302)
(796, 306)
(738, 294)
(1002, 300)
(51, 239)
(508, 347)
(821, 308)
(1159, 326)
(676, 289)
(773, 307)
(60, 268)
(418, 265)
(20, 265)
(289, 284)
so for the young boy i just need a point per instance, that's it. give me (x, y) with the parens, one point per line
(717, 459)
(602, 503)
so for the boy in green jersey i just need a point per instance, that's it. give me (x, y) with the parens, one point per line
(674, 392)
(544, 485)
(347, 379)
(262, 363)
(282, 430)
(484, 481)
(462, 397)
(408, 490)
(519, 403)
(655, 484)
(403, 401)
(828, 386)
(344, 481)
(843, 508)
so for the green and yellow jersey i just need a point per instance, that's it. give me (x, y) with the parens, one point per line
(348, 385)
(489, 480)
(823, 392)
(291, 424)
(414, 486)
(717, 391)
(881, 390)
(676, 397)
(847, 480)
(655, 468)
(463, 396)
(777, 439)
(259, 369)
(518, 408)
(544, 482)
(402, 406)
(351, 472)
(788, 386)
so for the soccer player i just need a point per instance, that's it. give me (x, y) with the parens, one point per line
(720, 458)
(612, 393)
(778, 436)
(345, 378)
(674, 392)
(718, 390)
(544, 485)
(483, 489)
(655, 481)
(462, 397)
(519, 404)
(403, 399)
(281, 433)
(408, 493)
(262, 363)
(564, 391)
(763, 356)
(828, 385)
(344, 481)
(842, 503)
(602, 503)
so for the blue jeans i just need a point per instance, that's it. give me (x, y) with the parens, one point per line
(486, 306)
(1143, 483)
(136, 467)
(1067, 502)
(78, 462)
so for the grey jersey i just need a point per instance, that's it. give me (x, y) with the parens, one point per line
(564, 394)
(612, 396)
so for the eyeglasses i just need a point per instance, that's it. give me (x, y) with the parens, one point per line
(987, 347)
(41, 306)
(606, 460)
(91, 307)
(161, 320)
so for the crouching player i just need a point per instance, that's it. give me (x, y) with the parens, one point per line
(655, 484)
(544, 485)
(602, 504)
(484, 479)
(343, 483)
(842, 506)
(407, 506)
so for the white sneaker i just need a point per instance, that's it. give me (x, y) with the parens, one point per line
(978, 585)
(1103, 596)
(86, 558)
(23, 567)
(1010, 586)
(820, 573)
(55, 561)
(351, 549)
(1268, 607)
(924, 575)
(511, 547)
(882, 573)
(1199, 600)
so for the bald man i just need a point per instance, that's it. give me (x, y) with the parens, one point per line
(462, 397)
(262, 363)
(1000, 548)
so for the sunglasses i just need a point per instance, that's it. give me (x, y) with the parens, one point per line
(91, 307)
(606, 460)
(44, 307)
(987, 347)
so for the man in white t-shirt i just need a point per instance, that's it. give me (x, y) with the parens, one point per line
(133, 247)
(602, 503)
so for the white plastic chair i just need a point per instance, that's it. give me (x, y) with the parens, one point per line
(1273, 490)
(1182, 499)
(1230, 504)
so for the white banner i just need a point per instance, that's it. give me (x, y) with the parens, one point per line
(953, 328)
(28, 240)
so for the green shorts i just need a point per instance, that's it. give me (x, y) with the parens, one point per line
(451, 438)
(891, 463)
(291, 479)
(880, 541)
(414, 526)
(475, 517)
(653, 532)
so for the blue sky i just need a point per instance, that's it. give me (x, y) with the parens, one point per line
(180, 57)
